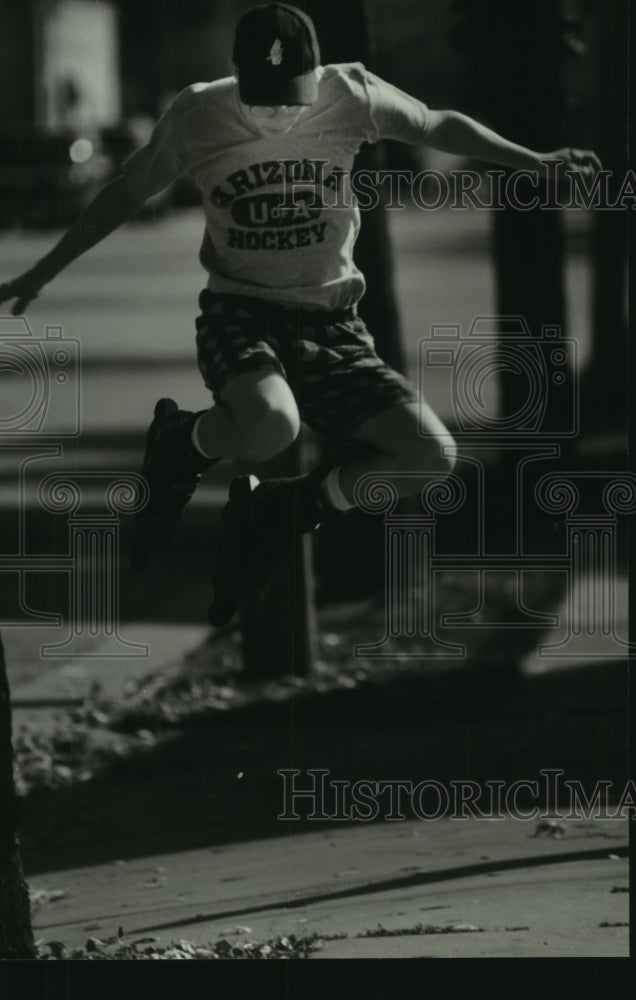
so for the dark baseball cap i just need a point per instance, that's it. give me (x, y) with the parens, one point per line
(276, 54)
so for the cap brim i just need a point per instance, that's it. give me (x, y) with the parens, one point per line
(301, 90)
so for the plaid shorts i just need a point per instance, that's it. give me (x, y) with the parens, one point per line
(327, 358)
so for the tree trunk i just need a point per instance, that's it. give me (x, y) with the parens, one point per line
(515, 61)
(16, 935)
(606, 385)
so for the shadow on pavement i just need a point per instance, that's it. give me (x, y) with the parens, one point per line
(219, 783)
(392, 885)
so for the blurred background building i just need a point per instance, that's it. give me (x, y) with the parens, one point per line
(104, 71)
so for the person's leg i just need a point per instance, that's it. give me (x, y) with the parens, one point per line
(408, 438)
(350, 397)
(255, 418)
(372, 418)
(172, 467)
(264, 518)
(262, 420)
(268, 516)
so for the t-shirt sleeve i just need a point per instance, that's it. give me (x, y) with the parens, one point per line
(164, 158)
(394, 114)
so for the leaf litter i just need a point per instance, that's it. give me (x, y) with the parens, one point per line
(148, 949)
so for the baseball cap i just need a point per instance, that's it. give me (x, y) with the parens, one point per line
(276, 53)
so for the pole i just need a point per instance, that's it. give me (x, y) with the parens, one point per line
(516, 82)
(279, 633)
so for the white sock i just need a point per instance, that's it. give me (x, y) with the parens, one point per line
(331, 489)
(194, 437)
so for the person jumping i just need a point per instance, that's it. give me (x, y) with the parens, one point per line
(278, 338)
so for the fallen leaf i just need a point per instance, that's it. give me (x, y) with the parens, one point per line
(93, 944)
(40, 896)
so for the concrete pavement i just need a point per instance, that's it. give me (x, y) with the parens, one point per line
(450, 888)
(186, 840)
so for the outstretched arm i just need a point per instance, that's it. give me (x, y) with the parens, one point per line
(453, 132)
(114, 205)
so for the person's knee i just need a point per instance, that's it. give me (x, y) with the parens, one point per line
(430, 446)
(264, 414)
(266, 431)
(413, 439)
(436, 453)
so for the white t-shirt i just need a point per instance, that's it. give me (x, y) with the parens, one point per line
(281, 221)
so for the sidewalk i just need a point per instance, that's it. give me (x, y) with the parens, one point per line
(60, 682)
(475, 888)
(183, 841)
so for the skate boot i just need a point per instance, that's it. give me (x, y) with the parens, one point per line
(261, 524)
(172, 469)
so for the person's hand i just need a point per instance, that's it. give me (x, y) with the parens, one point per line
(23, 289)
(580, 161)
